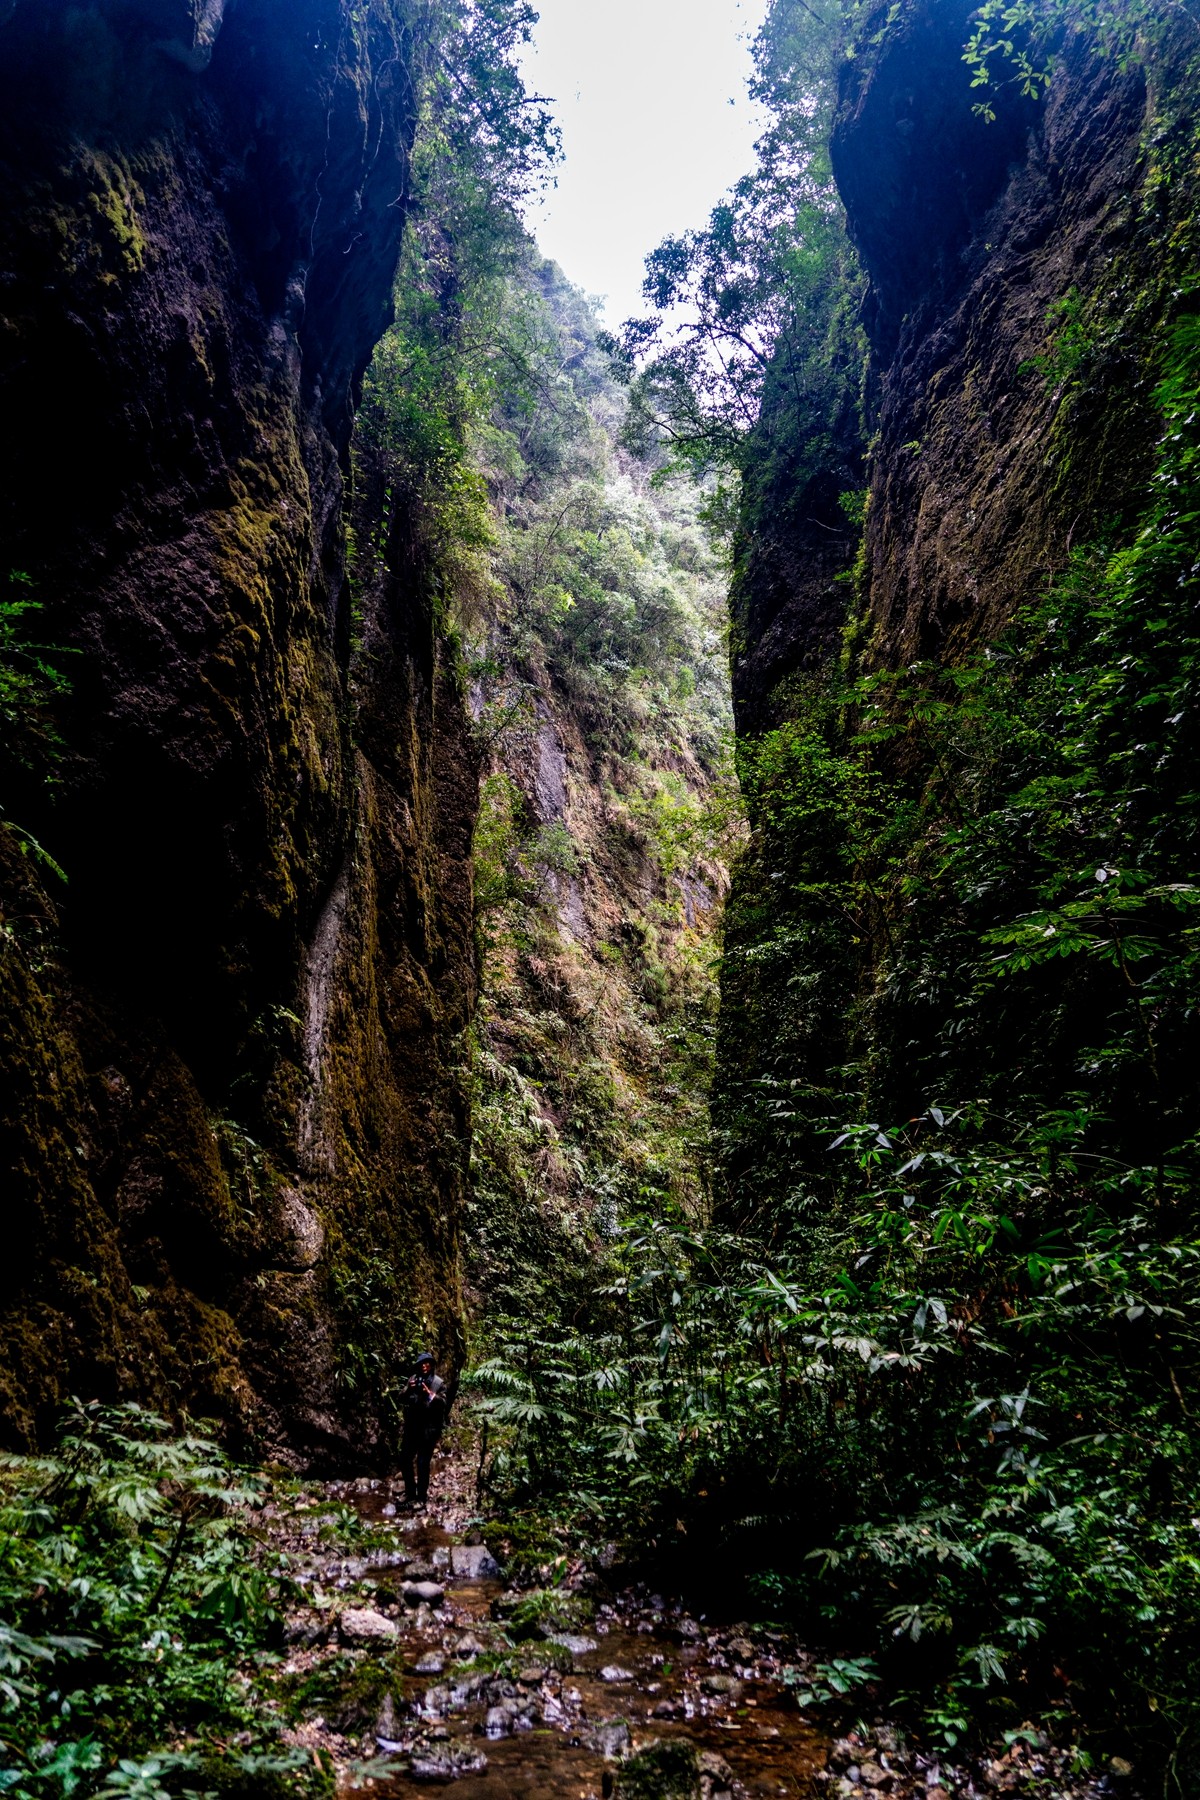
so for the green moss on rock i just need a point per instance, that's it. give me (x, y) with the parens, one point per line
(667, 1769)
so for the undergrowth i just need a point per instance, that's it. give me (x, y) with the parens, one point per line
(138, 1611)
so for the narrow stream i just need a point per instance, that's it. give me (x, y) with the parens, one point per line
(419, 1621)
(410, 1660)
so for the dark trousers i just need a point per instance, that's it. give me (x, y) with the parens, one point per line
(416, 1454)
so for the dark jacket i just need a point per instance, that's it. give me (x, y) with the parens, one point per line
(425, 1404)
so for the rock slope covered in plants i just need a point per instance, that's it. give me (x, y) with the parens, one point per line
(607, 816)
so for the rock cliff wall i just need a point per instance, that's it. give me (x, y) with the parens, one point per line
(603, 834)
(1020, 278)
(972, 232)
(957, 1093)
(232, 1122)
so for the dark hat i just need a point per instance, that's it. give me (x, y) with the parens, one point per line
(424, 1356)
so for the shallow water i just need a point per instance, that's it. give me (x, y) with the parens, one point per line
(770, 1748)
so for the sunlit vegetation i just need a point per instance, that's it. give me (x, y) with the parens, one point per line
(606, 818)
(583, 592)
(974, 1313)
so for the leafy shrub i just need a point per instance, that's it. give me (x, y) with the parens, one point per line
(137, 1608)
(32, 678)
(1019, 41)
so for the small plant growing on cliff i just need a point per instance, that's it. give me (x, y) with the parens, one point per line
(1073, 342)
(31, 678)
(1026, 37)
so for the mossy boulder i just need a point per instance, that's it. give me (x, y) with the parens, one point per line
(667, 1769)
(522, 1546)
(349, 1690)
(542, 1611)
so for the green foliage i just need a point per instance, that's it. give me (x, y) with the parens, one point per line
(585, 606)
(1072, 345)
(545, 1610)
(749, 310)
(977, 886)
(1031, 1531)
(500, 837)
(136, 1612)
(1020, 41)
(32, 678)
(482, 143)
(347, 1690)
(752, 349)
(602, 713)
(607, 588)
(475, 94)
(961, 988)
(368, 1289)
(30, 673)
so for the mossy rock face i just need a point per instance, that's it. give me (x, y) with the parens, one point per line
(230, 1083)
(668, 1769)
(349, 1691)
(521, 1546)
(989, 472)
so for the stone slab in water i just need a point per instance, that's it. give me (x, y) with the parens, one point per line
(572, 1641)
(728, 1685)
(474, 1562)
(447, 1762)
(430, 1592)
(610, 1738)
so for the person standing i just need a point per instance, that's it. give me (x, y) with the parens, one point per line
(424, 1418)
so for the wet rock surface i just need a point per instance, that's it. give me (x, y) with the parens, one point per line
(514, 1692)
(474, 1562)
(481, 1691)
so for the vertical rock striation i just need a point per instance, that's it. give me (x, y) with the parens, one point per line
(231, 1123)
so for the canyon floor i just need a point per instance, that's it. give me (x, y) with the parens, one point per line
(413, 1660)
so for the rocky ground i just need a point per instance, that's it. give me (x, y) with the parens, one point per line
(416, 1660)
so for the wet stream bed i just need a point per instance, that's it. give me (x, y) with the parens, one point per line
(413, 1662)
(513, 1695)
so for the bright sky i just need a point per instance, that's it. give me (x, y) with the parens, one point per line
(643, 92)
